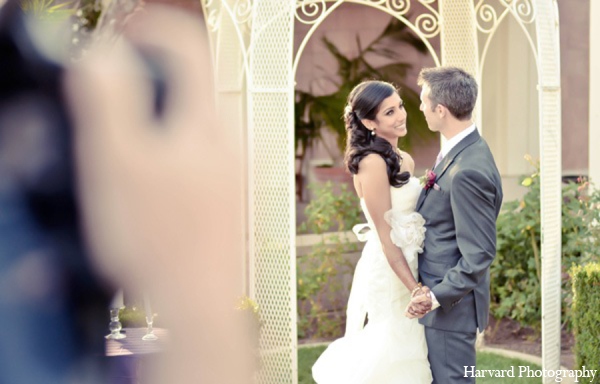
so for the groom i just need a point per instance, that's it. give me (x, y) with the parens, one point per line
(460, 204)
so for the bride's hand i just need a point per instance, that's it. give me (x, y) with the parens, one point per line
(420, 304)
(424, 290)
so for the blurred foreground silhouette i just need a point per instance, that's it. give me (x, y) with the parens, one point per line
(114, 173)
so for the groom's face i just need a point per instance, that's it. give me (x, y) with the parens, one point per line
(426, 107)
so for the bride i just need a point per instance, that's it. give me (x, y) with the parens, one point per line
(390, 348)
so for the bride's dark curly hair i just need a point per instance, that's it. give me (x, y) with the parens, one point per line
(363, 103)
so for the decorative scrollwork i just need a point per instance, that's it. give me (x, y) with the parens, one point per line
(242, 10)
(427, 24)
(523, 10)
(212, 20)
(486, 17)
(309, 11)
(212, 15)
(401, 7)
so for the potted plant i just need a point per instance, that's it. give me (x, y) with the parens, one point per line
(325, 111)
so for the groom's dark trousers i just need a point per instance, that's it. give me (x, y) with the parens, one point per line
(460, 214)
(449, 354)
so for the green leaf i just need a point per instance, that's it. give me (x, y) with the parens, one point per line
(527, 182)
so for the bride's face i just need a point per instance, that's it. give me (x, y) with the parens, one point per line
(390, 120)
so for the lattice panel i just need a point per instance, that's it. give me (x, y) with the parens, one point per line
(550, 180)
(273, 249)
(272, 190)
(459, 40)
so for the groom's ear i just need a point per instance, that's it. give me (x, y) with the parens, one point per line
(441, 110)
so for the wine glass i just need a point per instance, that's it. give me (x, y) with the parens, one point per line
(149, 320)
(149, 331)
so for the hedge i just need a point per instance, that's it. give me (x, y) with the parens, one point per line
(586, 314)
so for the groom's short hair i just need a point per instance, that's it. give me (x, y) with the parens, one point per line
(452, 87)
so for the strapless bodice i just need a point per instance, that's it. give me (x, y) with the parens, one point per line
(404, 199)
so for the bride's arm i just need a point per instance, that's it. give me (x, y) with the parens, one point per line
(375, 188)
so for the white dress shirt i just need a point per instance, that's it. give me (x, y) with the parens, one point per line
(449, 144)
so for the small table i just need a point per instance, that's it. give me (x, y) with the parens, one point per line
(130, 357)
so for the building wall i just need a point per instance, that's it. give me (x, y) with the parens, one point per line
(574, 45)
(509, 99)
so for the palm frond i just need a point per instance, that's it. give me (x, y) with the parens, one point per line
(48, 8)
(326, 111)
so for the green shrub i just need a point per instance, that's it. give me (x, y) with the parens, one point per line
(516, 271)
(135, 317)
(586, 315)
(331, 210)
(317, 286)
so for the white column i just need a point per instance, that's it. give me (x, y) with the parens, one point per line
(550, 179)
(594, 127)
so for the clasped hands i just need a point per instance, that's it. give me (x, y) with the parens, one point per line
(420, 303)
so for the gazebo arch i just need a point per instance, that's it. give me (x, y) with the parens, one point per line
(425, 25)
(252, 44)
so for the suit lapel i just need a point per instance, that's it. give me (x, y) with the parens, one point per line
(421, 198)
(443, 166)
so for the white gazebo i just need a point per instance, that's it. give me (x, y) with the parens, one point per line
(255, 67)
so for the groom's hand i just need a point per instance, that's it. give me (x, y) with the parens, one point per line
(420, 304)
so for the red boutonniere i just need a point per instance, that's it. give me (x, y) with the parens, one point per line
(429, 180)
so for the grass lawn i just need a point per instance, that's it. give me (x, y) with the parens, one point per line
(308, 355)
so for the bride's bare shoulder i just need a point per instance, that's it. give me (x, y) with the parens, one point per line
(371, 161)
(371, 171)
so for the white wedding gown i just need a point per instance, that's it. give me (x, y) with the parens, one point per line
(391, 348)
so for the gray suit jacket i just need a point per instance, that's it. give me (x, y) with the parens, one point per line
(460, 242)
